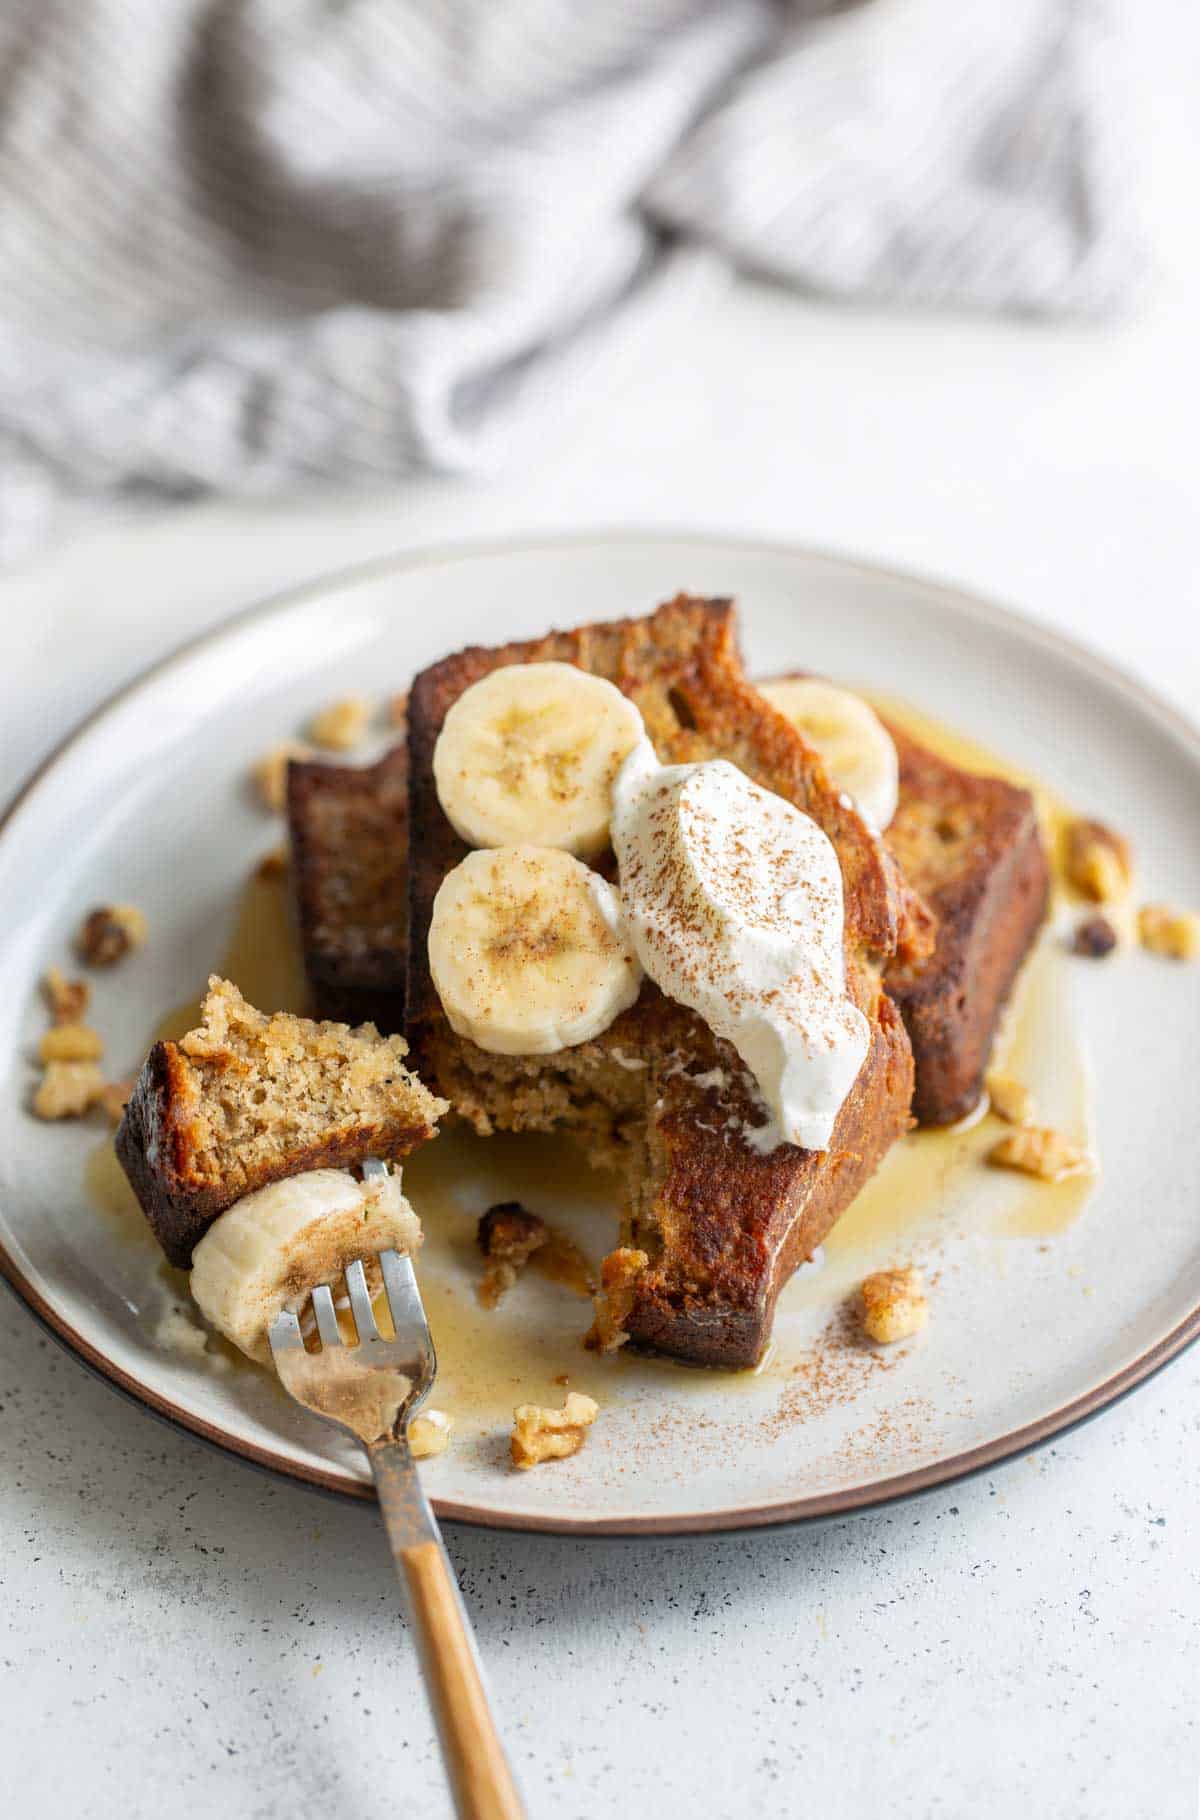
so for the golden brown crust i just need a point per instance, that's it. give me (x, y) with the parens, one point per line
(723, 1225)
(736, 1225)
(349, 834)
(973, 849)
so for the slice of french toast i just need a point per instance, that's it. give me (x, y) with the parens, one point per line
(972, 847)
(248, 1099)
(349, 841)
(719, 1224)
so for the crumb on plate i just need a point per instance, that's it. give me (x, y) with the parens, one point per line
(429, 1433)
(613, 1300)
(542, 1434)
(1099, 861)
(1010, 1099)
(508, 1235)
(1175, 933)
(178, 1330)
(109, 933)
(1038, 1150)
(67, 1090)
(1094, 938)
(71, 1043)
(271, 773)
(341, 726)
(893, 1305)
(67, 1000)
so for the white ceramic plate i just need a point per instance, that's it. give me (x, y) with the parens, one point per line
(1031, 1329)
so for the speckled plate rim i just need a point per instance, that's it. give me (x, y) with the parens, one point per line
(791, 1511)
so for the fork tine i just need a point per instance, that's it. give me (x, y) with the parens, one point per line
(326, 1313)
(360, 1301)
(285, 1335)
(403, 1296)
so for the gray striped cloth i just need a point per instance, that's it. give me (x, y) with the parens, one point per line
(249, 243)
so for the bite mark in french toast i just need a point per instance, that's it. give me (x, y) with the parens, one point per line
(723, 1224)
(969, 845)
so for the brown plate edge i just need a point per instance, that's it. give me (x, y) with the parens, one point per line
(831, 1505)
(858, 1499)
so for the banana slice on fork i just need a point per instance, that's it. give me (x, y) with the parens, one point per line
(271, 1248)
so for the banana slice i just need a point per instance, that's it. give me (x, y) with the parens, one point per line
(269, 1249)
(528, 952)
(850, 737)
(529, 753)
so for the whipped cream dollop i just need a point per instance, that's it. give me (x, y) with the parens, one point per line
(733, 900)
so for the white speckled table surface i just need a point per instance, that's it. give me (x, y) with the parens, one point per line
(182, 1636)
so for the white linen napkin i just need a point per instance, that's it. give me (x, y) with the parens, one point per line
(248, 243)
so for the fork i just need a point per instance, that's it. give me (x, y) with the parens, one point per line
(373, 1390)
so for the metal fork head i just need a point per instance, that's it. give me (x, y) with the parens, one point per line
(374, 1388)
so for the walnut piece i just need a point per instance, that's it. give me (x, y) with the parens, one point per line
(893, 1305)
(109, 933)
(71, 1043)
(67, 999)
(613, 1300)
(1010, 1099)
(1039, 1151)
(68, 1089)
(271, 773)
(1099, 862)
(429, 1433)
(398, 711)
(1175, 933)
(508, 1235)
(1094, 938)
(341, 726)
(551, 1434)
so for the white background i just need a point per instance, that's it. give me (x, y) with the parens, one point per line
(182, 1637)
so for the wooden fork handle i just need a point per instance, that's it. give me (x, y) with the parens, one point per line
(478, 1771)
(475, 1762)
